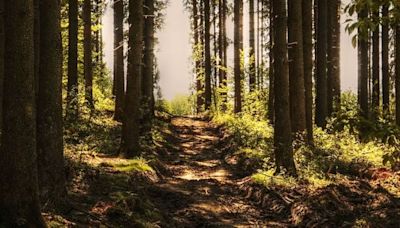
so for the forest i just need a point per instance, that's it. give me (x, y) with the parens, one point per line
(269, 139)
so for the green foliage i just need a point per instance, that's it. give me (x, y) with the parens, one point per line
(181, 105)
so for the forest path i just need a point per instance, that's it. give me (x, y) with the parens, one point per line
(201, 190)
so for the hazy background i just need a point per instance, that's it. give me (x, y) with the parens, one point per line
(174, 50)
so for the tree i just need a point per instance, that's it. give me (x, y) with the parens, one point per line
(148, 62)
(207, 55)
(238, 47)
(271, 90)
(224, 59)
(308, 65)
(252, 70)
(282, 133)
(296, 67)
(87, 62)
(321, 108)
(397, 70)
(385, 59)
(119, 71)
(2, 37)
(333, 84)
(72, 85)
(375, 65)
(130, 146)
(50, 150)
(363, 64)
(19, 202)
(196, 40)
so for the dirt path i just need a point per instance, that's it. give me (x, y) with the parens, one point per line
(201, 191)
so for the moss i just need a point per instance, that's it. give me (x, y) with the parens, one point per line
(137, 164)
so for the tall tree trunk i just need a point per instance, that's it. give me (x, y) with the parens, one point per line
(119, 66)
(252, 68)
(49, 136)
(238, 47)
(224, 94)
(375, 68)
(72, 90)
(333, 84)
(321, 108)
(19, 202)
(2, 37)
(148, 74)
(308, 65)
(87, 43)
(363, 67)
(199, 100)
(385, 61)
(296, 67)
(131, 126)
(271, 90)
(258, 2)
(397, 76)
(282, 133)
(207, 55)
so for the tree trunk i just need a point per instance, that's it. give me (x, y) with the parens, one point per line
(321, 108)
(87, 46)
(308, 65)
(2, 37)
(19, 202)
(148, 74)
(282, 133)
(375, 69)
(333, 84)
(207, 55)
(131, 126)
(224, 94)
(252, 68)
(199, 98)
(238, 47)
(72, 90)
(119, 66)
(49, 136)
(397, 76)
(296, 67)
(271, 90)
(363, 67)
(385, 61)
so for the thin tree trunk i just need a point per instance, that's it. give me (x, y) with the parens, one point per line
(252, 68)
(50, 147)
(282, 133)
(238, 47)
(207, 55)
(296, 67)
(87, 43)
(131, 126)
(19, 202)
(385, 61)
(224, 95)
(199, 100)
(363, 67)
(375, 69)
(72, 85)
(119, 66)
(271, 90)
(321, 108)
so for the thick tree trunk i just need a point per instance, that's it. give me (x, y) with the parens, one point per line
(321, 108)
(207, 55)
(296, 67)
(148, 73)
(363, 67)
(131, 126)
(282, 133)
(119, 66)
(72, 86)
(252, 68)
(238, 47)
(397, 76)
(385, 61)
(49, 136)
(19, 202)
(333, 84)
(2, 37)
(87, 46)
(375, 69)
(308, 65)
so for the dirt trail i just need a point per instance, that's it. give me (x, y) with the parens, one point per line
(201, 190)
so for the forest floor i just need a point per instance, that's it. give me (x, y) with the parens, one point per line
(186, 180)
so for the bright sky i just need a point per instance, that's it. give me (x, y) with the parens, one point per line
(174, 50)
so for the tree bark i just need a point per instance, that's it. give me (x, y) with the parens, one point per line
(308, 65)
(296, 67)
(87, 46)
(282, 133)
(199, 98)
(385, 61)
(207, 55)
(131, 126)
(50, 149)
(363, 67)
(321, 108)
(271, 90)
(252, 68)
(119, 66)
(19, 202)
(2, 38)
(238, 47)
(397, 76)
(72, 85)
(375, 68)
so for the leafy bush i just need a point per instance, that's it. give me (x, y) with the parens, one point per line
(181, 105)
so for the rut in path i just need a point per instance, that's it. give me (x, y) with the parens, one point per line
(201, 191)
